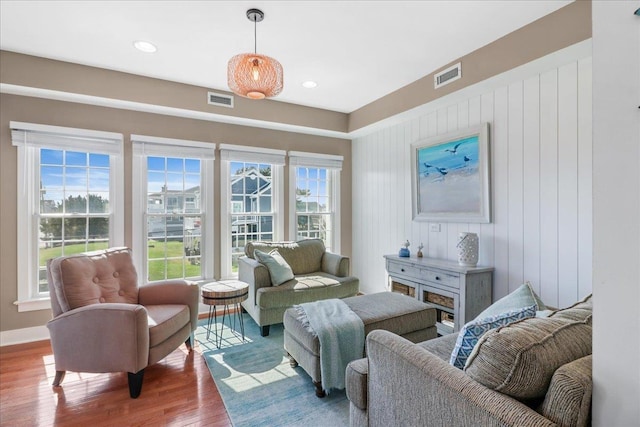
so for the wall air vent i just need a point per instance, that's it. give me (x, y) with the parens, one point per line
(445, 77)
(220, 100)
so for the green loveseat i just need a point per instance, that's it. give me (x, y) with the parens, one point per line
(318, 275)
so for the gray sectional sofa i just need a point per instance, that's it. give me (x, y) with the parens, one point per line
(318, 275)
(532, 372)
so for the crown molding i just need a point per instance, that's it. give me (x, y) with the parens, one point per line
(34, 92)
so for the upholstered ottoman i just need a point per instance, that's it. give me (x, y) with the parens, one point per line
(400, 314)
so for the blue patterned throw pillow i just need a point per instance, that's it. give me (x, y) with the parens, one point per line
(472, 331)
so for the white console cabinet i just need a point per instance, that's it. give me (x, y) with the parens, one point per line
(458, 293)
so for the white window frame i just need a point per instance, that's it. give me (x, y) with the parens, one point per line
(29, 138)
(238, 153)
(333, 164)
(145, 146)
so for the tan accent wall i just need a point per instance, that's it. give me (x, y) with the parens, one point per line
(58, 113)
(562, 28)
(32, 71)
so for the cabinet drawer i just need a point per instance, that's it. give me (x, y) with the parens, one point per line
(435, 276)
(442, 278)
(404, 270)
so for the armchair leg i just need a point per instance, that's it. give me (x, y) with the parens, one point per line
(319, 391)
(264, 331)
(188, 342)
(58, 379)
(135, 383)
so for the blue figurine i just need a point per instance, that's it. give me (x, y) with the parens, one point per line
(404, 252)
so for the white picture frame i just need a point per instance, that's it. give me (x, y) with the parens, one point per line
(451, 177)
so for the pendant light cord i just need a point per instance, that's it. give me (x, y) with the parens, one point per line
(255, 36)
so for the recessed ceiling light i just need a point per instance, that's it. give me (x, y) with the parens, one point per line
(310, 84)
(144, 46)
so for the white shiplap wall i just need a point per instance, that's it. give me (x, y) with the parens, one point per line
(540, 127)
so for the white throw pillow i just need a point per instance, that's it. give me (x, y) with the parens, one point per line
(523, 296)
(279, 270)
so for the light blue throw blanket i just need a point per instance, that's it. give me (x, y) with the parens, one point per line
(341, 335)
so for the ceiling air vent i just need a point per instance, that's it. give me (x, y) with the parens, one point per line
(220, 99)
(447, 76)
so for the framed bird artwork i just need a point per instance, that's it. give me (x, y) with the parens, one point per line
(451, 177)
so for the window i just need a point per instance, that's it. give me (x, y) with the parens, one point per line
(69, 200)
(315, 190)
(176, 222)
(251, 201)
(252, 212)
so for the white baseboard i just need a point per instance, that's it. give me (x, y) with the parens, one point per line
(25, 335)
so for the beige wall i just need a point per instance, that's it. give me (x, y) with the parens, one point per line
(57, 113)
(562, 28)
(35, 72)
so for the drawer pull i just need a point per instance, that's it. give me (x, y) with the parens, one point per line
(402, 269)
(437, 277)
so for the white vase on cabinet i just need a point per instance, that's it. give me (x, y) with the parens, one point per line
(467, 249)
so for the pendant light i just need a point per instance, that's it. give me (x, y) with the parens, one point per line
(252, 75)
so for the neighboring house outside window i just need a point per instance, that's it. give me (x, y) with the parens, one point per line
(70, 200)
(315, 197)
(251, 200)
(175, 226)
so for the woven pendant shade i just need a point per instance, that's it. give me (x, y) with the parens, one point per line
(254, 76)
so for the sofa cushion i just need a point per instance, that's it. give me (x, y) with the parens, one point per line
(523, 296)
(568, 400)
(580, 311)
(474, 330)
(165, 320)
(519, 359)
(441, 346)
(279, 270)
(304, 256)
(307, 288)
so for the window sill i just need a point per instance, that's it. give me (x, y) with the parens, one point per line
(33, 305)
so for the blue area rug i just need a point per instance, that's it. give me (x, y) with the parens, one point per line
(259, 387)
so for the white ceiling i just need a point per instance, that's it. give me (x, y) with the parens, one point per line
(357, 51)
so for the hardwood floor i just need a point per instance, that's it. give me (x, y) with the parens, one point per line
(177, 391)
